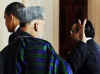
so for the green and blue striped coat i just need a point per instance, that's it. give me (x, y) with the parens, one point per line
(30, 55)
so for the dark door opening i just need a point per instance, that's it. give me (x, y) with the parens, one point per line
(69, 10)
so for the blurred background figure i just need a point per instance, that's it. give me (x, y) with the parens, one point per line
(78, 55)
(84, 58)
(92, 65)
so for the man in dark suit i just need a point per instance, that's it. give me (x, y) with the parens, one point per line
(92, 65)
(13, 24)
(84, 58)
(78, 56)
(26, 53)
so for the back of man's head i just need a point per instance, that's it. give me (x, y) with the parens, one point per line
(29, 14)
(12, 8)
(89, 30)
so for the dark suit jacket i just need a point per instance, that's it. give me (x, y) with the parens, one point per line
(28, 55)
(78, 57)
(85, 58)
(4, 54)
(1, 64)
(14, 35)
(93, 61)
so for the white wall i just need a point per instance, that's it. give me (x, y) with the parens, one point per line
(56, 24)
(94, 16)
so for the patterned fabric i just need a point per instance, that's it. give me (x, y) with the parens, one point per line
(28, 55)
(37, 56)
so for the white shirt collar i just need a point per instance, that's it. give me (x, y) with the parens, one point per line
(17, 28)
(88, 38)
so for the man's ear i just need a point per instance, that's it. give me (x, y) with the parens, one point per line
(11, 17)
(35, 26)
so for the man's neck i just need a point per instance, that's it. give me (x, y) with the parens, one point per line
(29, 31)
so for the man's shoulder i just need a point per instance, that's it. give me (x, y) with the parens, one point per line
(93, 44)
(34, 40)
(41, 40)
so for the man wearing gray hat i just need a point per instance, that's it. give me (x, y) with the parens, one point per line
(31, 55)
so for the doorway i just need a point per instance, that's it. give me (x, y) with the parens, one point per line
(69, 10)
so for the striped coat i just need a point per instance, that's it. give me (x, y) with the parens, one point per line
(29, 55)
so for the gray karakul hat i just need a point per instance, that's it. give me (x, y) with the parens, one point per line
(28, 14)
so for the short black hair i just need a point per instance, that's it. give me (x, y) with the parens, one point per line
(75, 21)
(12, 8)
(89, 29)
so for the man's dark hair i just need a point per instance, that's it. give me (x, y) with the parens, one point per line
(77, 25)
(89, 30)
(12, 8)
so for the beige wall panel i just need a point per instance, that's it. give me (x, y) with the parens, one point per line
(94, 16)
